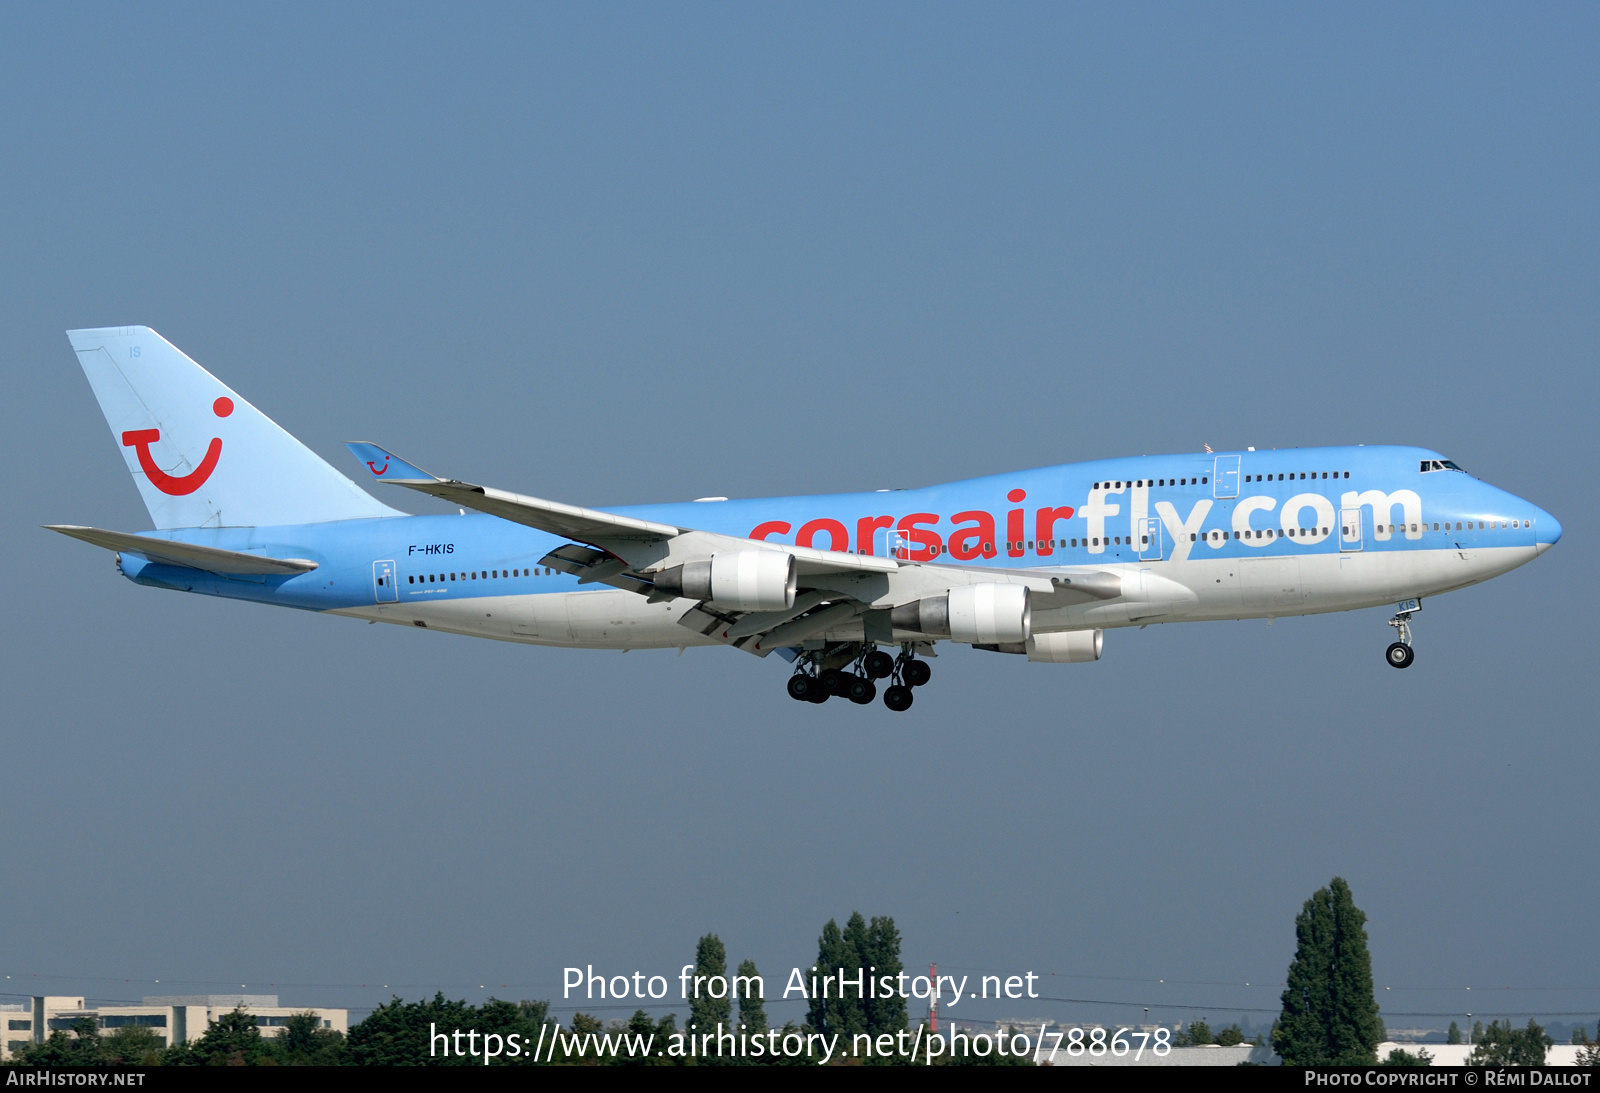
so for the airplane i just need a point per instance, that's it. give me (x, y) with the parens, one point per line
(849, 589)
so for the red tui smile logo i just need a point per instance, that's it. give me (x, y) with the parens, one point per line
(141, 439)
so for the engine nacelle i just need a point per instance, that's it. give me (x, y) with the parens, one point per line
(743, 580)
(979, 614)
(1067, 646)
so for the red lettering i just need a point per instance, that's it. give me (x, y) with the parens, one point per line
(980, 537)
(865, 528)
(1014, 531)
(771, 527)
(838, 537)
(1047, 527)
(929, 540)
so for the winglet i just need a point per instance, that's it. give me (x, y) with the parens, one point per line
(386, 467)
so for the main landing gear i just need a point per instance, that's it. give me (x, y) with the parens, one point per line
(1400, 654)
(819, 675)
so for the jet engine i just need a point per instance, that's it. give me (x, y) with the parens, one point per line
(979, 614)
(743, 580)
(1066, 647)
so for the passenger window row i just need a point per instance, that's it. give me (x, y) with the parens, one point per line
(478, 575)
(1260, 533)
(1293, 478)
(1147, 482)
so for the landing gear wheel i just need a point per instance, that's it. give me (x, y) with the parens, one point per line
(818, 695)
(917, 673)
(860, 690)
(1400, 655)
(897, 698)
(834, 681)
(878, 664)
(800, 687)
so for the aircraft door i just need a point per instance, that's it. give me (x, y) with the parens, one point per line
(384, 589)
(889, 543)
(1152, 544)
(1350, 529)
(1225, 476)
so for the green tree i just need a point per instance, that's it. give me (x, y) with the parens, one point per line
(1330, 1016)
(233, 1039)
(1589, 1054)
(304, 1042)
(642, 1026)
(706, 1011)
(133, 1045)
(881, 952)
(1401, 1057)
(1230, 1036)
(1454, 1035)
(828, 1012)
(79, 1046)
(400, 1033)
(1502, 1045)
(752, 1007)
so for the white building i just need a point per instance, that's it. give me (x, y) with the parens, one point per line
(176, 1019)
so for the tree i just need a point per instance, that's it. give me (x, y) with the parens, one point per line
(881, 952)
(1401, 1057)
(1589, 1054)
(82, 1047)
(399, 1033)
(1502, 1045)
(1330, 1016)
(828, 1013)
(304, 1042)
(706, 1010)
(1454, 1035)
(233, 1039)
(133, 1045)
(752, 1007)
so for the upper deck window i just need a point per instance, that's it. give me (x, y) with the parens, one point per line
(1439, 465)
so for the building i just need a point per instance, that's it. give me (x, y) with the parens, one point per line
(176, 1019)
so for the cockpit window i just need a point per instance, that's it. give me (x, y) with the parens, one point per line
(1439, 465)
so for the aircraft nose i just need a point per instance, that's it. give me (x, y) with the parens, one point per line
(1546, 531)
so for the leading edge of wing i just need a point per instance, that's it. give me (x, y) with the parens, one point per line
(189, 555)
(593, 526)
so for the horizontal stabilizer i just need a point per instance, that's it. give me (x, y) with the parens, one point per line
(165, 551)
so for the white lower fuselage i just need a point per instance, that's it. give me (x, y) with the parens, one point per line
(1192, 590)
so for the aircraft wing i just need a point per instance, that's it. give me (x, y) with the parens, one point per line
(634, 542)
(630, 553)
(167, 552)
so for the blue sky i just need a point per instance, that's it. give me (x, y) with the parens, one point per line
(613, 255)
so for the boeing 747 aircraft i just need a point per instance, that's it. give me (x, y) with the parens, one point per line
(848, 588)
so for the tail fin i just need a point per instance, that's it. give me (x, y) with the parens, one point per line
(201, 455)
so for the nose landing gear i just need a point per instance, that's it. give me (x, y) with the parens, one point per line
(1400, 654)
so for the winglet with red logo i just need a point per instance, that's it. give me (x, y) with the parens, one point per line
(385, 467)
